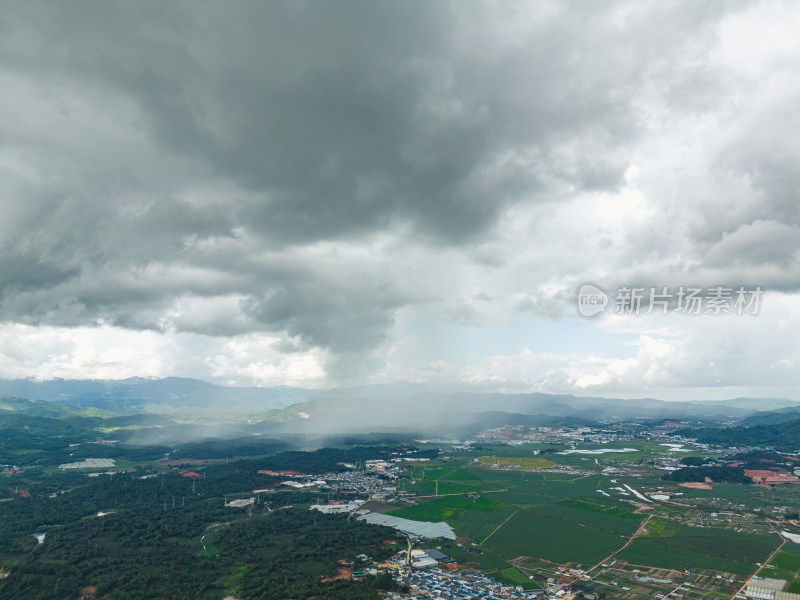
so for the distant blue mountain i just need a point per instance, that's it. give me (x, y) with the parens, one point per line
(370, 406)
(154, 395)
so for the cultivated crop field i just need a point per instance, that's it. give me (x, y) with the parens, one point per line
(682, 547)
(479, 525)
(542, 533)
(470, 516)
(562, 519)
(787, 566)
(449, 508)
(537, 488)
(529, 533)
(523, 462)
(585, 514)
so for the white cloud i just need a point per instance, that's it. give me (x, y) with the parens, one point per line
(422, 208)
(81, 353)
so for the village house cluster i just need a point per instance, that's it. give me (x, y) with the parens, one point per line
(436, 583)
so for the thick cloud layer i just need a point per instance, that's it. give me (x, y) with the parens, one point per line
(386, 190)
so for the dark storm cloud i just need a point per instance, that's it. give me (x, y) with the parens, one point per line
(180, 143)
(347, 116)
(324, 317)
(22, 272)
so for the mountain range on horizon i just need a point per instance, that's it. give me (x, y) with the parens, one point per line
(372, 404)
(58, 389)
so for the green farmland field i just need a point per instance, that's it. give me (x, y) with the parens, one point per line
(429, 487)
(567, 531)
(556, 516)
(478, 525)
(788, 568)
(516, 577)
(685, 547)
(529, 533)
(447, 508)
(560, 517)
(526, 462)
(588, 518)
(474, 518)
(538, 489)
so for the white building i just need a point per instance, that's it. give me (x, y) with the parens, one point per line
(344, 507)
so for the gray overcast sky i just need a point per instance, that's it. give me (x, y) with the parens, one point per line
(336, 193)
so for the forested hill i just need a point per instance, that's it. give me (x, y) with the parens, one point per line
(783, 436)
(715, 474)
(772, 417)
(139, 553)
